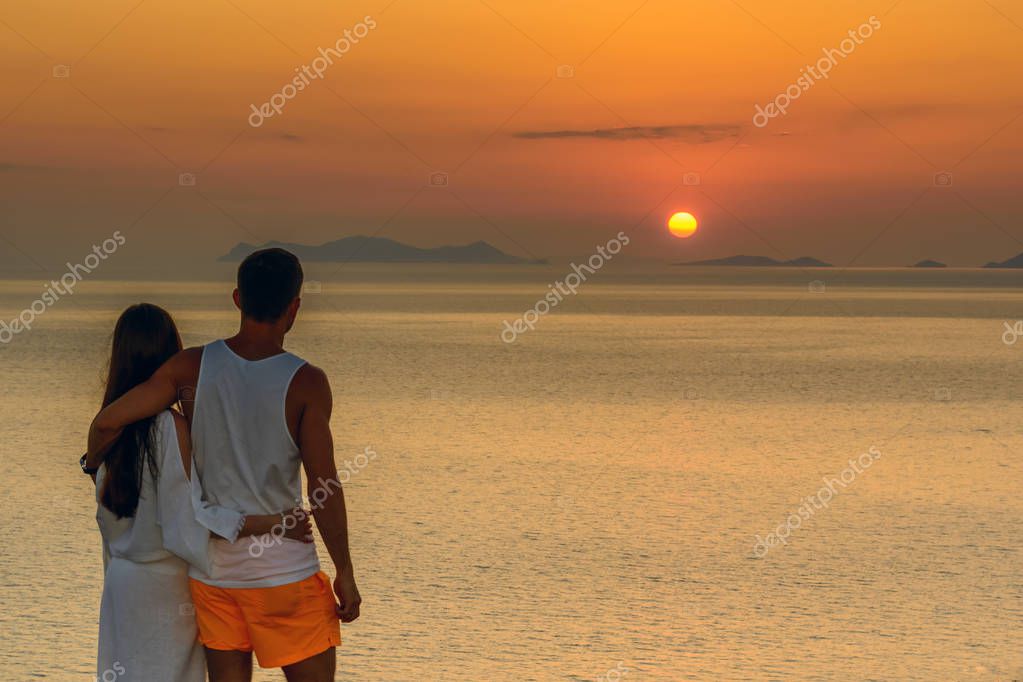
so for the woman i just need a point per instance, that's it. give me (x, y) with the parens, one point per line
(147, 503)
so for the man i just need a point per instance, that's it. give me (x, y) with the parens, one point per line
(259, 414)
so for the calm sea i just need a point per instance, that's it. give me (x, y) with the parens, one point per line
(583, 503)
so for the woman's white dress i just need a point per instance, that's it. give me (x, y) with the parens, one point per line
(147, 630)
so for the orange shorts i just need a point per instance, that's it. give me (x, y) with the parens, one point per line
(282, 625)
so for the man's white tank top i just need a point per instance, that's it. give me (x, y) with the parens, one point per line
(247, 461)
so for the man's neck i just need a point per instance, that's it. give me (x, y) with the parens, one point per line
(257, 340)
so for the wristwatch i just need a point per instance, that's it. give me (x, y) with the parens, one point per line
(86, 469)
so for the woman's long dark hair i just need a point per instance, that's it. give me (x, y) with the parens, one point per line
(145, 337)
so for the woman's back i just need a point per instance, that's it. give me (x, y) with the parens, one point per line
(147, 629)
(139, 538)
(164, 528)
(147, 626)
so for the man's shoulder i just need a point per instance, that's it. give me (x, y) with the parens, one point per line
(309, 388)
(309, 377)
(184, 366)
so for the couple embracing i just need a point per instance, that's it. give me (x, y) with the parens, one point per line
(177, 489)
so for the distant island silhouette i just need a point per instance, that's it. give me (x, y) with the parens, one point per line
(361, 249)
(928, 263)
(1014, 262)
(762, 262)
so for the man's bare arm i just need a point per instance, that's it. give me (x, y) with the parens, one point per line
(317, 447)
(145, 400)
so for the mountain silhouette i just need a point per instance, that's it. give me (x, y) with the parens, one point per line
(928, 263)
(1014, 262)
(361, 249)
(762, 262)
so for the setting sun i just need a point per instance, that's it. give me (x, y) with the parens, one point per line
(682, 225)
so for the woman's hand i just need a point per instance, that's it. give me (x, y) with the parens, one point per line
(301, 524)
(295, 524)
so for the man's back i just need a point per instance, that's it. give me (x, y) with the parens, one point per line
(248, 461)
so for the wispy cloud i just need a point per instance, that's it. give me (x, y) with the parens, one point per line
(9, 167)
(285, 135)
(693, 134)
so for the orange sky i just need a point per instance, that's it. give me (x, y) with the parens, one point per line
(537, 164)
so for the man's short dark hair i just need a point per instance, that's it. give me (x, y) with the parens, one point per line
(268, 281)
